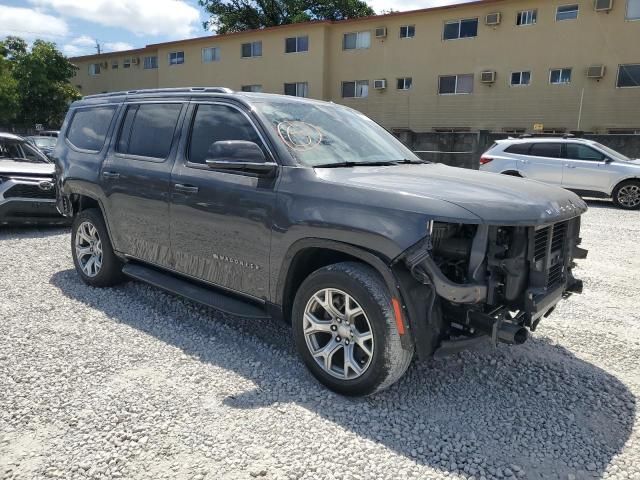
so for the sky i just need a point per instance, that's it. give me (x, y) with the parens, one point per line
(77, 25)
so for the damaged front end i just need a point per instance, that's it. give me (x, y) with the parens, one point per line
(480, 283)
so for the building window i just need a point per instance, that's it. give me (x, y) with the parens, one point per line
(560, 76)
(628, 76)
(299, 89)
(126, 63)
(210, 54)
(253, 49)
(455, 84)
(251, 88)
(461, 29)
(114, 64)
(633, 10)
(356, 40)
(176, 58)
(150, 62)
(296, 44)
(404, 83)
(520, 78)
(94, 69)
(567, 12)
(407, 31)
(355, 89)
(527, 17)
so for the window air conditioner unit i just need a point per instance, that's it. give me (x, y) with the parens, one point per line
(493, 18)
(135, 60)
(488, 76)
(603, 5)
(104, 65)
(380, 84)
(381, 32)
(595, 71)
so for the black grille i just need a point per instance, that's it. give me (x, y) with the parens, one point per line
(29, 191)
(549, 254)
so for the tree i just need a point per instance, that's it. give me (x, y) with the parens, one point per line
(34, 83)
(237, 15)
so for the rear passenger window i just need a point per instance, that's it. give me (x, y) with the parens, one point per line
(518, 148)
(553, 150)
(213, 123)
(88, 127)
(147, 129)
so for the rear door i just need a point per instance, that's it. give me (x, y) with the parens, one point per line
(585, 168)
(221, 220)
(543, 162)
(136, 179)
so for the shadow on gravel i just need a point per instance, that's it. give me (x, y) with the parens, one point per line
(535, 411)
(32, 231)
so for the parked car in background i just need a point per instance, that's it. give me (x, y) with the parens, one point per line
(583, 166)
(275, 206)
(27, 185)
(43, 143)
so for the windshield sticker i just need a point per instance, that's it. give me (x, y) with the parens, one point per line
(299, 135)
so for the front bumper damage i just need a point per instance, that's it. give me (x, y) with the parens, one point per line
(495, 285)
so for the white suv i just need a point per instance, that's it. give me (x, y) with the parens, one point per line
(588, 168)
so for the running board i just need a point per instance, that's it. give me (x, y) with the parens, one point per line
(192, 291)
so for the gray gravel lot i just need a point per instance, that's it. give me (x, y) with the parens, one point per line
(130, 382)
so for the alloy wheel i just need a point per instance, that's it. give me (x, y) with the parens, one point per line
(338, 334)
(88, 249)
(629, 196)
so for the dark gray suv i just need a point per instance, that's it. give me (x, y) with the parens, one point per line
(270, 206)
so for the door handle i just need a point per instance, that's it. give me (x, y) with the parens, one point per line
(179, 187)
(110, 175)
(569, 166)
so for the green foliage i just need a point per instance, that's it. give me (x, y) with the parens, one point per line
(237, 15)
(34, 83)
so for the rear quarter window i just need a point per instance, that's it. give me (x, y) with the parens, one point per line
(89, 126)
(518, 148)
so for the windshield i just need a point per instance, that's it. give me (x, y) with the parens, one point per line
(20, 151)
(611, 152)
(46, 142)
(324, 135)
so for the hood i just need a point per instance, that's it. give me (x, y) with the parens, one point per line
(26, 169)
(493, 198)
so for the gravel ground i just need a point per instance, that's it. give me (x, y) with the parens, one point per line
(132, 383)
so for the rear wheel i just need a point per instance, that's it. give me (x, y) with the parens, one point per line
(93, 255)
(627, 195)
(345, 330)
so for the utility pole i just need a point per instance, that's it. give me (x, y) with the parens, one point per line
(98, 47)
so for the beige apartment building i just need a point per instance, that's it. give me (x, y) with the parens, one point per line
(500, 65)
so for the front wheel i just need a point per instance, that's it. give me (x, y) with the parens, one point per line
(627, 195)
(93, 256)
(345, 330)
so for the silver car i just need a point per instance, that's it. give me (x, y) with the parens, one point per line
(586, 167)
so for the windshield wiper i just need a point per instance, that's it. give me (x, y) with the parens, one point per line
(406, 161)
(354, 164)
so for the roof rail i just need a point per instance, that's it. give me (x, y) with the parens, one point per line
(568, 135)
(525, 135)
(163, 90)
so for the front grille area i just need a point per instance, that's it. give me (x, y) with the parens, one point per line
(549, 254)
(29, 191)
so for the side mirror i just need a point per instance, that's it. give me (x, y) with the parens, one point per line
(608, 160)
(238, 155)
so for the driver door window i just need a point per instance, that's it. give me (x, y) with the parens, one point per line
(576, 151)
(214, 123)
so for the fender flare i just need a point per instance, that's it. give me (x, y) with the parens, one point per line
(360, 253)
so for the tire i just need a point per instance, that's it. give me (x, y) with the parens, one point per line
(89, 233)
(386, 361)
(626, 195)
